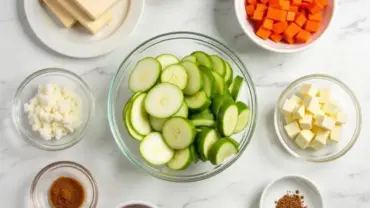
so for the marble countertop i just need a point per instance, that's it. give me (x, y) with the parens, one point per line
(342, 53)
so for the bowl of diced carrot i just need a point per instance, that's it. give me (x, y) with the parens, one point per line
(285, 26)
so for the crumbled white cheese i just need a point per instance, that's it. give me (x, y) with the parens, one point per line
(54, 111)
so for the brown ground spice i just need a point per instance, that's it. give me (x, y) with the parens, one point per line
(291, 200)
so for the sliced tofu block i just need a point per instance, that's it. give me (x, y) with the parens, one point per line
(64, 17)
(91, 25)
(325, 122)
(304, 138)
(312, 104)
(288, 107)
(292, 129)
(308, 90)
(335, 134)
(320, 139)
(306, 122)
(95, 8)
(330, 109)
(300, 112)
(324, 95)
(340, 118)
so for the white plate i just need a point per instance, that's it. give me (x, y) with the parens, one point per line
(278, 188)
(77, 42)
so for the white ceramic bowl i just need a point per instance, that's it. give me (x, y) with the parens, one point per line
(249, 30)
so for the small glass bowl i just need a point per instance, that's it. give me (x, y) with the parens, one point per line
(347, 102)
(44, 179)
(28, 89)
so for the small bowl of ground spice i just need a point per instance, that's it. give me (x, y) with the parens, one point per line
(64, 184)
(291, 192)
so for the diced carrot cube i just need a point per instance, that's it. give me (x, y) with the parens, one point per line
(315, 17)
(264, 1)
(273, 3)
(315, 7)
(285, 5)
(261, 7)
(290, 16)
(276, 37)
(276, 14)
(324, 3)
(312, 26)
(300, 20)
(250, 9)
(303, 36)
(263, 33)
(258, 15)
(267, 24)
(279, 27)
(293, 8)
(289, 40)
(296, 2)
(291, 30)
(253, 2)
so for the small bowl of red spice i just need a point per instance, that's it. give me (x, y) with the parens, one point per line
(64, 184)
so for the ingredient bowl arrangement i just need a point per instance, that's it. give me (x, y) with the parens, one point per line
(189, 47)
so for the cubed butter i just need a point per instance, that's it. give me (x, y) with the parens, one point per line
(320, 139)
(299, 112)
(315, 129)
(335, 134)
(308, 90)
(330, 109)
(324, 122)
(304, 138)
(340, 118)
(289, 107)
(289, 118)
(292, 129)
(324, 95)
(312, 104)
(306, 122)
(297, 99)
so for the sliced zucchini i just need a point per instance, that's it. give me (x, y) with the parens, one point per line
(181, 160)
(203, 59)
(222, 150)
(235, 87)
(218, 101)
(164, 100)
(220, 83)
(209, 82)
(198, 102)
(178, 133)
(190, 58)
(157, 123)
(129, 102)
(145, 75)
(205, 118)
(183, 112)
(128, 124)
(228, 74)
(175, 74)
(138, 116)
(167, 59)
(195, 78)
(227, 118)
(207, 114)
(205, 140)
(194, 153)
(218, 65)
(243, 117)
(154, 150)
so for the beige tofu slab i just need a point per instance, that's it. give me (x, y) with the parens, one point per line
(92, 26)
(95, 8)
(64, 17)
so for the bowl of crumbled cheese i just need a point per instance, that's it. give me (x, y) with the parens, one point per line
(52, 108)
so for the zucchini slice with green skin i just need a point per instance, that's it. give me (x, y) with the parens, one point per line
(209, 82)
(132, 132)
(194, 153)
(190, 58)
(157, 123)
(167, 59)
(181, 160)
(219, 83)
(129, 102)
(218, 101)
(228, 74)
(222, 150)
(205, 118)
(144, 75)
(183, 112)
(203, 59)
(218, 65)
(164, 100)
(243, 117)
(178, 133)
(227, 119)
(175, 74)
(195, 78)
(235, 87)
(205, 140)
(138, 116)
(154, 150)
(198, 102)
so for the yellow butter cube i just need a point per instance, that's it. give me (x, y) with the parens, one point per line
(335, 134)
(312, 104)
(324, 122)
(292, 129)
(324, 95)
(299, 112)
(340, 118)
(330, 109)
(306, 122)
(308, 90)
(289, 118)
(297, 100)
(288, 107)
(320, 139)
(304, 138)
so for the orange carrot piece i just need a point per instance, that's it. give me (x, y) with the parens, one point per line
(293, 8)
(250, 9)
(258, 15)
(303, 36)
(296, 2)
(284, 5)
(290, 16)
(274, 3)
(316, 17)
(252, 2)
(264, 1)
(324, 3)
(289, 40)
(261, 7)
(300, 20)
(279, 27)
(315, 7)
(276, 14)
(267, 24)
(276, 37)
(312, 26)
(291, 30)
(263, 33)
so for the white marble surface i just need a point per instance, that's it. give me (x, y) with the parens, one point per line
(344, 53)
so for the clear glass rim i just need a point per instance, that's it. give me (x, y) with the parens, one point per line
(205, 40)
(68, 164)
(351, 95)
(15, 112)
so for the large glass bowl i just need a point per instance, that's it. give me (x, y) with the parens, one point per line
(179, 44)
